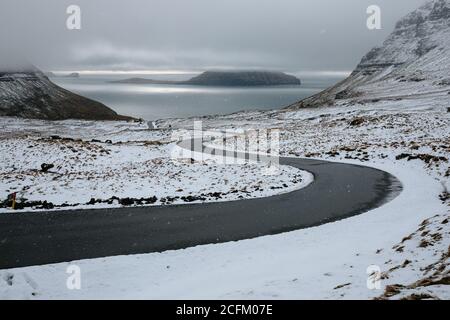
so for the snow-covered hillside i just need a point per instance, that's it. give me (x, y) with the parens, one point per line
(115, 164)
(414, 60)
(404, 238)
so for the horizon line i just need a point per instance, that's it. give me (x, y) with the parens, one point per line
(175, 71)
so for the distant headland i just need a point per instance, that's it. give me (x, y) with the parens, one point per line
(227, 79)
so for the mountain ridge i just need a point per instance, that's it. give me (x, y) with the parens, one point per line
(414, 59)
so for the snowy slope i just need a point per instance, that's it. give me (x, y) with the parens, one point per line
(325, 262)
(414, 59)
(119, 164)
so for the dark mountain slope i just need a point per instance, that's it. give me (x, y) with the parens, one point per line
(29, 93)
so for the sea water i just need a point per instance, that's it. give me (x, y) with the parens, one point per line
(155, 101)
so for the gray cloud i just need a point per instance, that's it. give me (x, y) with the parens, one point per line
(289, 35)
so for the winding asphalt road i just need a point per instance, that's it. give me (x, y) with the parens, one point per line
(338, 191)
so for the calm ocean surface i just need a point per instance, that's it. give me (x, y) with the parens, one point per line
(151, 102)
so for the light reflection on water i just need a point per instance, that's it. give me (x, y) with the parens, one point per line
(151, 101)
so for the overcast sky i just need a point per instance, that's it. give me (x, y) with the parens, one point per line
(288, 35)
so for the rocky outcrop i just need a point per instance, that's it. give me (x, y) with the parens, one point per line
(417, 50)
(243, 78)
(28, 93)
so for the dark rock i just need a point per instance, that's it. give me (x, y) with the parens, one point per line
(217, 195)
(126, 201)
(332, 153)
(344, 94)
(416, 79)
(357, 122)
(46, 166)
(427, 158)
(47, 205)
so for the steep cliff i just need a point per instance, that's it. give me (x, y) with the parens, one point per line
(414, 59)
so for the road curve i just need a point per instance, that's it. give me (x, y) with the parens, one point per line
(338, 191)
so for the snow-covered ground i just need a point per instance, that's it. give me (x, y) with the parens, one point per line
(393, 113)
(109, 164)
(330, 261)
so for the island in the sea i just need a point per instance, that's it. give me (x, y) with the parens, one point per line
(227, 79)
